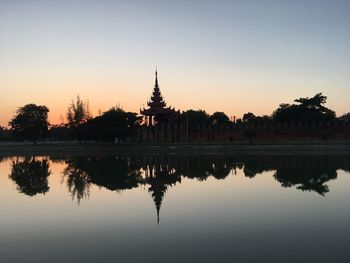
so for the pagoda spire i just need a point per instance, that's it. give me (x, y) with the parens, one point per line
(156, 83)
(157, 111)
(158, 209)
(156, 100)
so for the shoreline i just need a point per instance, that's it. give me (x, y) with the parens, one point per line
(334, 148)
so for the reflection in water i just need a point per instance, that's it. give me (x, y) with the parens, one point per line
(117, 173)
(113, 173)
(2, 159)
(31, 175)
(160, 177)
(240, 206)
(78, 181)
(307, 173)
(312, 178)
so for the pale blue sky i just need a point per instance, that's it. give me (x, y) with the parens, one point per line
(232, 56)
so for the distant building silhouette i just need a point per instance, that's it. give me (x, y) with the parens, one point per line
(157, 111)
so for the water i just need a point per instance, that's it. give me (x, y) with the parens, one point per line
(175, 209)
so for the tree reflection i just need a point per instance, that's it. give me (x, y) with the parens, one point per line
(221, 167)
(78, 181)
(2, 159)
(158, 173)
(201, 167)
(306, 173)
(113, 173)
(31, 175)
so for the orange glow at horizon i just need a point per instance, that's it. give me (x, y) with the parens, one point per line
(235, 93)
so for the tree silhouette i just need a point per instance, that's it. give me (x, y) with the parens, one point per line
(316, 101)
(218, 118)
(5, 134)
(195, 117)
(115, 123)
(30, 176)
(345, 117)
(2, 134)
(307, 109)
(78, 112)
(249, 117)
(30, 122)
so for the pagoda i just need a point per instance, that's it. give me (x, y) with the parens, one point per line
(157, 111)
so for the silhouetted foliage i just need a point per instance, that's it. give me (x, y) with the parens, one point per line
(2, 134)
(249, 117)
(307, 110)
(5, 134)
(195, 117)
(115, 123)
(59, 133)
(78, 112)
(345, 117)
(30, 122)
(30, 176)
(218, 118)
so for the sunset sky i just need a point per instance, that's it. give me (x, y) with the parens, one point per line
(232, 56)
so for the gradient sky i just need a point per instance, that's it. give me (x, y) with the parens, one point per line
(231, 56)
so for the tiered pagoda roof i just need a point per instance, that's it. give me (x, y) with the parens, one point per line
(156, 104)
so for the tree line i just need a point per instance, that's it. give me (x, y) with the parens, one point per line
(31, 123)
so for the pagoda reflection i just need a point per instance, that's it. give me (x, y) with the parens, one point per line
(160, 178)
(158, 173)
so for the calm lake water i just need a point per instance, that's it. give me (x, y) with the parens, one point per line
(174, 208)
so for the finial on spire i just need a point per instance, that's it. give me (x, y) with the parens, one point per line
(156, 84)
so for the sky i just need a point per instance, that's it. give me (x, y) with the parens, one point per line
(232, 56)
